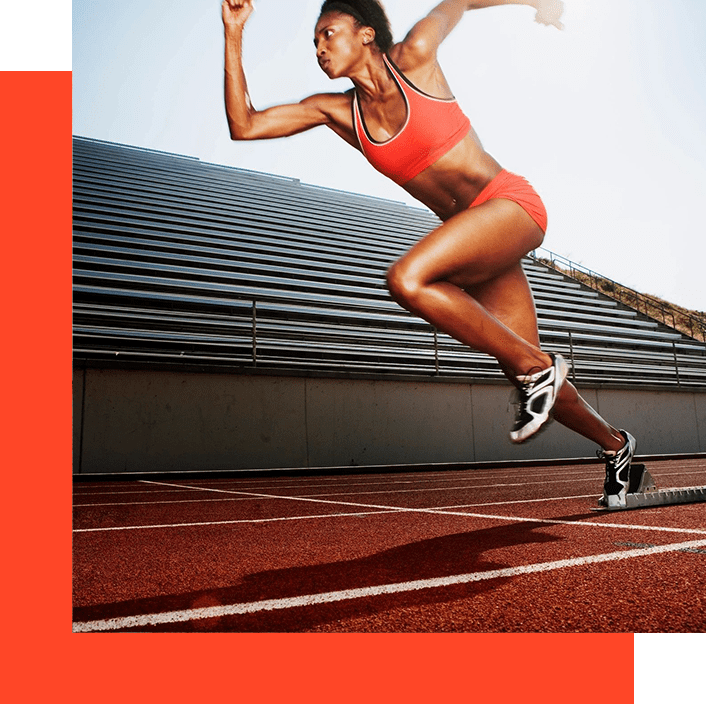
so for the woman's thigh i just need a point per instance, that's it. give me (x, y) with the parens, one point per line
(508, 298)
(472, 247)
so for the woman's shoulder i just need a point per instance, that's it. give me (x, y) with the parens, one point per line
(409, 55)
(330, 101)
(421, 69)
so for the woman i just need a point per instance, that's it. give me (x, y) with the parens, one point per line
(465, 277)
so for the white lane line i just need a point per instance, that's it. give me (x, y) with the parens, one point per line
(372, 507)
(186, 615)
(159, 503)
(342, 493)
(125, 493)
(450, 488)
(391, 490)
(548, 482)
(385, 478)
(521, 501)
(270, 487)
(251, 498)
(225, 523)
(186, 489)
(448, 475)
(497, 475)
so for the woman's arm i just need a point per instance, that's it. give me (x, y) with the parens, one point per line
(244, 122)
(426, 36)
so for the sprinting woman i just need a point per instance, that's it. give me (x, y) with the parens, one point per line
(465, 277)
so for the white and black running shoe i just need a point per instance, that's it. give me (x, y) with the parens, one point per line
(617, 473)
(537, 397)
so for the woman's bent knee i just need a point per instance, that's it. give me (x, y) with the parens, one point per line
(402, 285)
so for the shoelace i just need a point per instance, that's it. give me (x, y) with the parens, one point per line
(526, 385)
(528, 376)
(521, 398)
(603, 455)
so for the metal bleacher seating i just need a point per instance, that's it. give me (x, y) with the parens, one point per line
(182, 262)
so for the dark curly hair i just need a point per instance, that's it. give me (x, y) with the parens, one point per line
(366, 13)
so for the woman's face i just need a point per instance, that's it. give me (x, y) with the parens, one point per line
(339, 43)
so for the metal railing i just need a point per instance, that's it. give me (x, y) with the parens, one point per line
(260, 338)
(642, 303)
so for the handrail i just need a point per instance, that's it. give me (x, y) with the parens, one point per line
(622, 293)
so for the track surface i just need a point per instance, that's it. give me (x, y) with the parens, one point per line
(496, 550)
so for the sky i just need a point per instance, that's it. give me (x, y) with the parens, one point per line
(605, 118)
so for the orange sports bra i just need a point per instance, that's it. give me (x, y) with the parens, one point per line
(433, 126)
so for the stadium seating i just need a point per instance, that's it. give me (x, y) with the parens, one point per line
(182, 262)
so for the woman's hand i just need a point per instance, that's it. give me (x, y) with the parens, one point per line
(235, 13)
(549, 13)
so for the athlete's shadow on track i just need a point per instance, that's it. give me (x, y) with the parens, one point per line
(444, 556)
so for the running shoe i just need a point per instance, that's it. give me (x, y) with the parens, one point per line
(617, 473)
(537, 396)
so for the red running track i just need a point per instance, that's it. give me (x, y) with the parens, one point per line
(480, 550)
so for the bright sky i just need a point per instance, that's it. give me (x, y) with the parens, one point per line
(607, 118)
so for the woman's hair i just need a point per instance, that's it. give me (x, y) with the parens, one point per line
(366, 13)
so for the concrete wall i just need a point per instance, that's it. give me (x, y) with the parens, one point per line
(147, 421)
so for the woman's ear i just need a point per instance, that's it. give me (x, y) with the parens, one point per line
(368, 35)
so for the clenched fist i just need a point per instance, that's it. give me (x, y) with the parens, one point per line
(235, 13)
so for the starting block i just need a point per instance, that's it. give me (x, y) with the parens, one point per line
(643, 493)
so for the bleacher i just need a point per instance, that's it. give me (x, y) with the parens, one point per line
(182, 262)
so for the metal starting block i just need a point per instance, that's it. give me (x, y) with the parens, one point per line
(643, 493)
